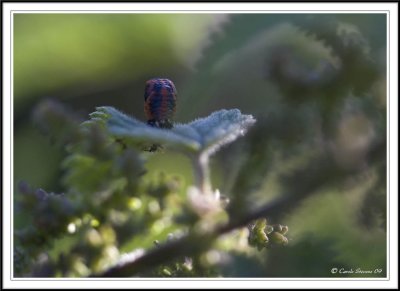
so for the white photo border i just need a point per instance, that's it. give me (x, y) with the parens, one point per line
(391, 9)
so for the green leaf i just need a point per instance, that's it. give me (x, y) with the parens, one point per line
(201, 135)
(220, 128)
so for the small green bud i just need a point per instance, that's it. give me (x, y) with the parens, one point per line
(285, 229)
(258, 236)
(166, 272)
(278, 238)
(262, 237)
(260, 224)
(134, 203)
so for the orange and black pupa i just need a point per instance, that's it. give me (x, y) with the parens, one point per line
(160, 102)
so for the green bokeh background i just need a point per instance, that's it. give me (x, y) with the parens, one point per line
(216, 61)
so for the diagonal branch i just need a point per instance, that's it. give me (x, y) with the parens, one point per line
(192, 244)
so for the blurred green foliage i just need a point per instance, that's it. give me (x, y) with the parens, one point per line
(316, 84)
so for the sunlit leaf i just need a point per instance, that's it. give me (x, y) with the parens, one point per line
(201, 135)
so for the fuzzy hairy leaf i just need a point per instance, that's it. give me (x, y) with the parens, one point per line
(220, 128)
(201, 135)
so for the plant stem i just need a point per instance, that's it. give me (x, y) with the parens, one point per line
(201, 173)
